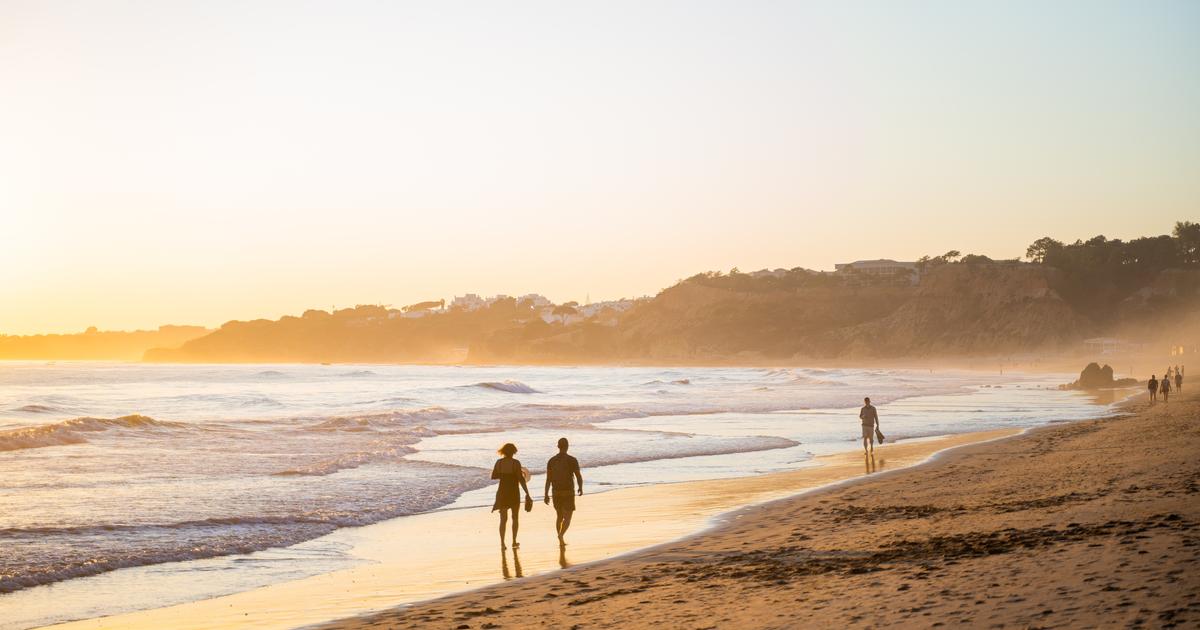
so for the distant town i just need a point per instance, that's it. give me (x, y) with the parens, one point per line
(566, 313)
(606, 312)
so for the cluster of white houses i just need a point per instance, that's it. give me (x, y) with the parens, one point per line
(879, 267)
(541, 305)
(545, 309)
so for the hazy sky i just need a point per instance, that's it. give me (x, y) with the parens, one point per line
(195, 162)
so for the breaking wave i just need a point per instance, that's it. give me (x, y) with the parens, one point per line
(74, 431)
(36, 409)
(388, 453)
(404, 418)
(512, 387)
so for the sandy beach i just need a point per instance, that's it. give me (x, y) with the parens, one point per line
(1088, 524)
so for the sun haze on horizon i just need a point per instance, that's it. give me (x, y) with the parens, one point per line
(189, 162)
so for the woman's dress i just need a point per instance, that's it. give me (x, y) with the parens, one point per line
(508, 495)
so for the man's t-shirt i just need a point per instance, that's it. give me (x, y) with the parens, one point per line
(869, 416)
(561, 470)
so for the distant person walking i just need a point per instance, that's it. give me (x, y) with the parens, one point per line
(870, 424)
(1164, 387)
(562, 473)
(1178, 379)
(508, 495)
(1153, 387)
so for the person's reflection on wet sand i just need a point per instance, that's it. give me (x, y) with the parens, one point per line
(508, 575)
(562, 557)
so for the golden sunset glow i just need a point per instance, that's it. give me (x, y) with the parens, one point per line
(191, 163)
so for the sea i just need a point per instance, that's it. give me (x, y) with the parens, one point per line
(128, 469)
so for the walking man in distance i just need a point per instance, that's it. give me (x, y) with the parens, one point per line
(870, 422)
(562, 472)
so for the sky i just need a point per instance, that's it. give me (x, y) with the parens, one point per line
(197, 162)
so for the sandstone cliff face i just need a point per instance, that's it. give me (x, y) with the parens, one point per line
(692, 321)
(1174, 293)
(972, 309)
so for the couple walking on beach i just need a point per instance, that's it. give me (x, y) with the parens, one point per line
(562, 473)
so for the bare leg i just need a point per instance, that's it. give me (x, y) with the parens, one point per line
(503, 523)
(558, 524)
(864, 445)
(566, 523)
(516, 518)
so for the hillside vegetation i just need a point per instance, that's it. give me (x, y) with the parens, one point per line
(95, 344)
(956, 306)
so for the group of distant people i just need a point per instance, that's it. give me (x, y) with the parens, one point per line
(1163, 387)
(562, 476)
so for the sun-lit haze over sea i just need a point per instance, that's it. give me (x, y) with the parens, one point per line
(186, 162)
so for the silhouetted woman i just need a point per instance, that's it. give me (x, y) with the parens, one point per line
(508, 495)
(1164, 388)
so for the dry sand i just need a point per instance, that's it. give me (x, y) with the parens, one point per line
(1090, 524)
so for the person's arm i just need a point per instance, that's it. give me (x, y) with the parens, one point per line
(496, 470)
(521, 478)
(579, 477)
(546, 499)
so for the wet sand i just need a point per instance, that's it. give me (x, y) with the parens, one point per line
(1089, 524)
(431, 555)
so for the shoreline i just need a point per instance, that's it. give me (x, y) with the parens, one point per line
(1092, 523)
(1033, 363)
(675, 513)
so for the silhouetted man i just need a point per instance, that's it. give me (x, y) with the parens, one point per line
(870, 422)
(562, 471)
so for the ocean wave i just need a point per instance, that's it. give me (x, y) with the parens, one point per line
(36, 409)
(234, 542)
(102, 530)
(71, 431)
(678, 446)
(44, 555)
(240, 400)
(403, 418)
(391, 449)
(510, 386)
(346, 461)
(358, 373)
(804, 377)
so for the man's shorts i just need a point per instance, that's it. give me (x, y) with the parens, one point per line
(564, 501)
(868, 431)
